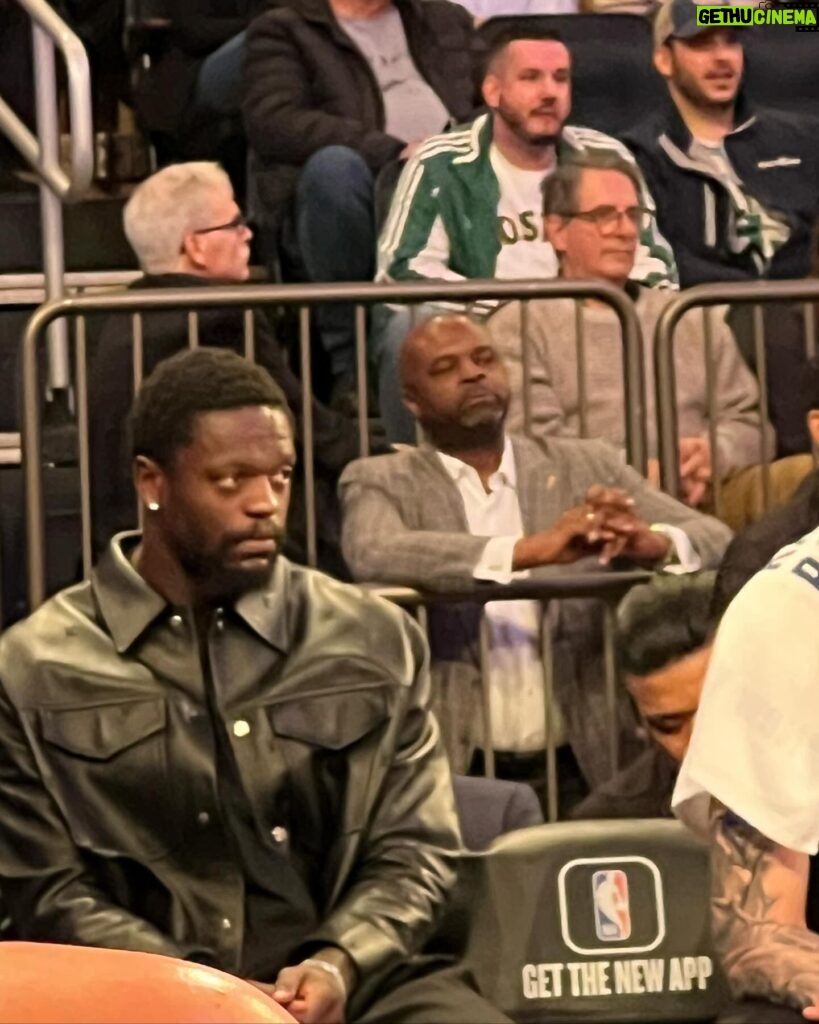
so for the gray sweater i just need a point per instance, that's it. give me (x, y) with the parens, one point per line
(555, 401)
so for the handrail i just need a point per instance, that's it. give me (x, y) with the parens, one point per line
(50, 29)
(561, 584)
(246, 296)
(703, 295)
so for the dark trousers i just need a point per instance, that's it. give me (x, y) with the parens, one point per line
(427, 990)
(531, 768)
(336, 236)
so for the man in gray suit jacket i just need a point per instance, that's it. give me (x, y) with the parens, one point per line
(470, 504)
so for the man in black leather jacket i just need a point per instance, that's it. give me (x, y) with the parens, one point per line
(209, 752)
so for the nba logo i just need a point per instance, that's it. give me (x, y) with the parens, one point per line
(612, 917)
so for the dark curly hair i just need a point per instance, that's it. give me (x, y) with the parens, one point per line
(193, 382)
(663, 621)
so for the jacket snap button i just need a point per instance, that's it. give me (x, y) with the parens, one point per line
(279, 834)
(241, 728)
(203, 818)
(227, 924)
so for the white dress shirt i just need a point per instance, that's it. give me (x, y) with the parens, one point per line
(516, 698)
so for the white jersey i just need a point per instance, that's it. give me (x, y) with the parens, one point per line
(755, 745)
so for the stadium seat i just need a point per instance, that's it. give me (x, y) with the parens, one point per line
(592, 921)
(43, 983)
(614, 83)
(488, 808)
(781, 68)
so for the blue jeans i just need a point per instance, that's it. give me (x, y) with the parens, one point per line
(219, 82)
(335, 232)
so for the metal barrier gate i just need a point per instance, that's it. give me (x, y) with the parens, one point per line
(246, 297)
(755, 294)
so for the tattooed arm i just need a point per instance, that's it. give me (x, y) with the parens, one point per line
(758, 899)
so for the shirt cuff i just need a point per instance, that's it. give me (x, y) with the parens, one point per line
(495, 563)
(684, 557)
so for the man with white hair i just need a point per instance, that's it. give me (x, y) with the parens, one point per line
(187, 231)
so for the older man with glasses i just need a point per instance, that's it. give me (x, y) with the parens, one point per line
(593, 219)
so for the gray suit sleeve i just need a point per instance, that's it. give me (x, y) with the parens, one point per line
(379, 546)
(708, 535)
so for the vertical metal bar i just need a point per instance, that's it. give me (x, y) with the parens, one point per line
(137, 351)
(582, 382)
(762, 377)
(634, 389)
(413, 311)
(711, 405)
(809, 313)
(488, 747)
(51, 211)
(307, 441)
(361, 379)
(82, 441)
(138, 361)
(610, 668)
(547, 659)
(193, 330)
(32, 470)
(526, 367)
(250, 335)
(665, 385)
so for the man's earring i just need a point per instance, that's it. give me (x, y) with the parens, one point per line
(153, 506)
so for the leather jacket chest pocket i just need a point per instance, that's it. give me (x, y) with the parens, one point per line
(331, 745)
(107, 768)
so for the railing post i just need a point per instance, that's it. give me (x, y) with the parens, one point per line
(51, 211)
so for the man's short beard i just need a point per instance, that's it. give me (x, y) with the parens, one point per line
(461, 435)
(517, 125)
(697, 98)
(217, 579)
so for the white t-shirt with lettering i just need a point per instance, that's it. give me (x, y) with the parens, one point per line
(755, 744)
(524, 250)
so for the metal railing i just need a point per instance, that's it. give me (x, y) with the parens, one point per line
(43, 152)
(755, 294)
(607, 587)
(254, 296)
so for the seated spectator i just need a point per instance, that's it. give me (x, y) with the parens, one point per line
(754, 548)
(181, 773)
(663, 646)
(593, 219)
(335, 91)
(187, 232)
(736, 187)
(493, 169)
(197, 78)
(474, 504)
(749, 782)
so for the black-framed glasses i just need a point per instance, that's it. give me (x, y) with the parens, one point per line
(238, 221)
(607, 218)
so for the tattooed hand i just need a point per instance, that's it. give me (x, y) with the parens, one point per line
(758, 903)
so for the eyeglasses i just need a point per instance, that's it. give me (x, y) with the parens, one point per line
(237, 222)
(607, 218)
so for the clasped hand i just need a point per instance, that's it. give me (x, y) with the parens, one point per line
(605, 525)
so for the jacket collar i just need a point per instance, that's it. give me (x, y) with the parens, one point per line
(130, 606)
(676, 130)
